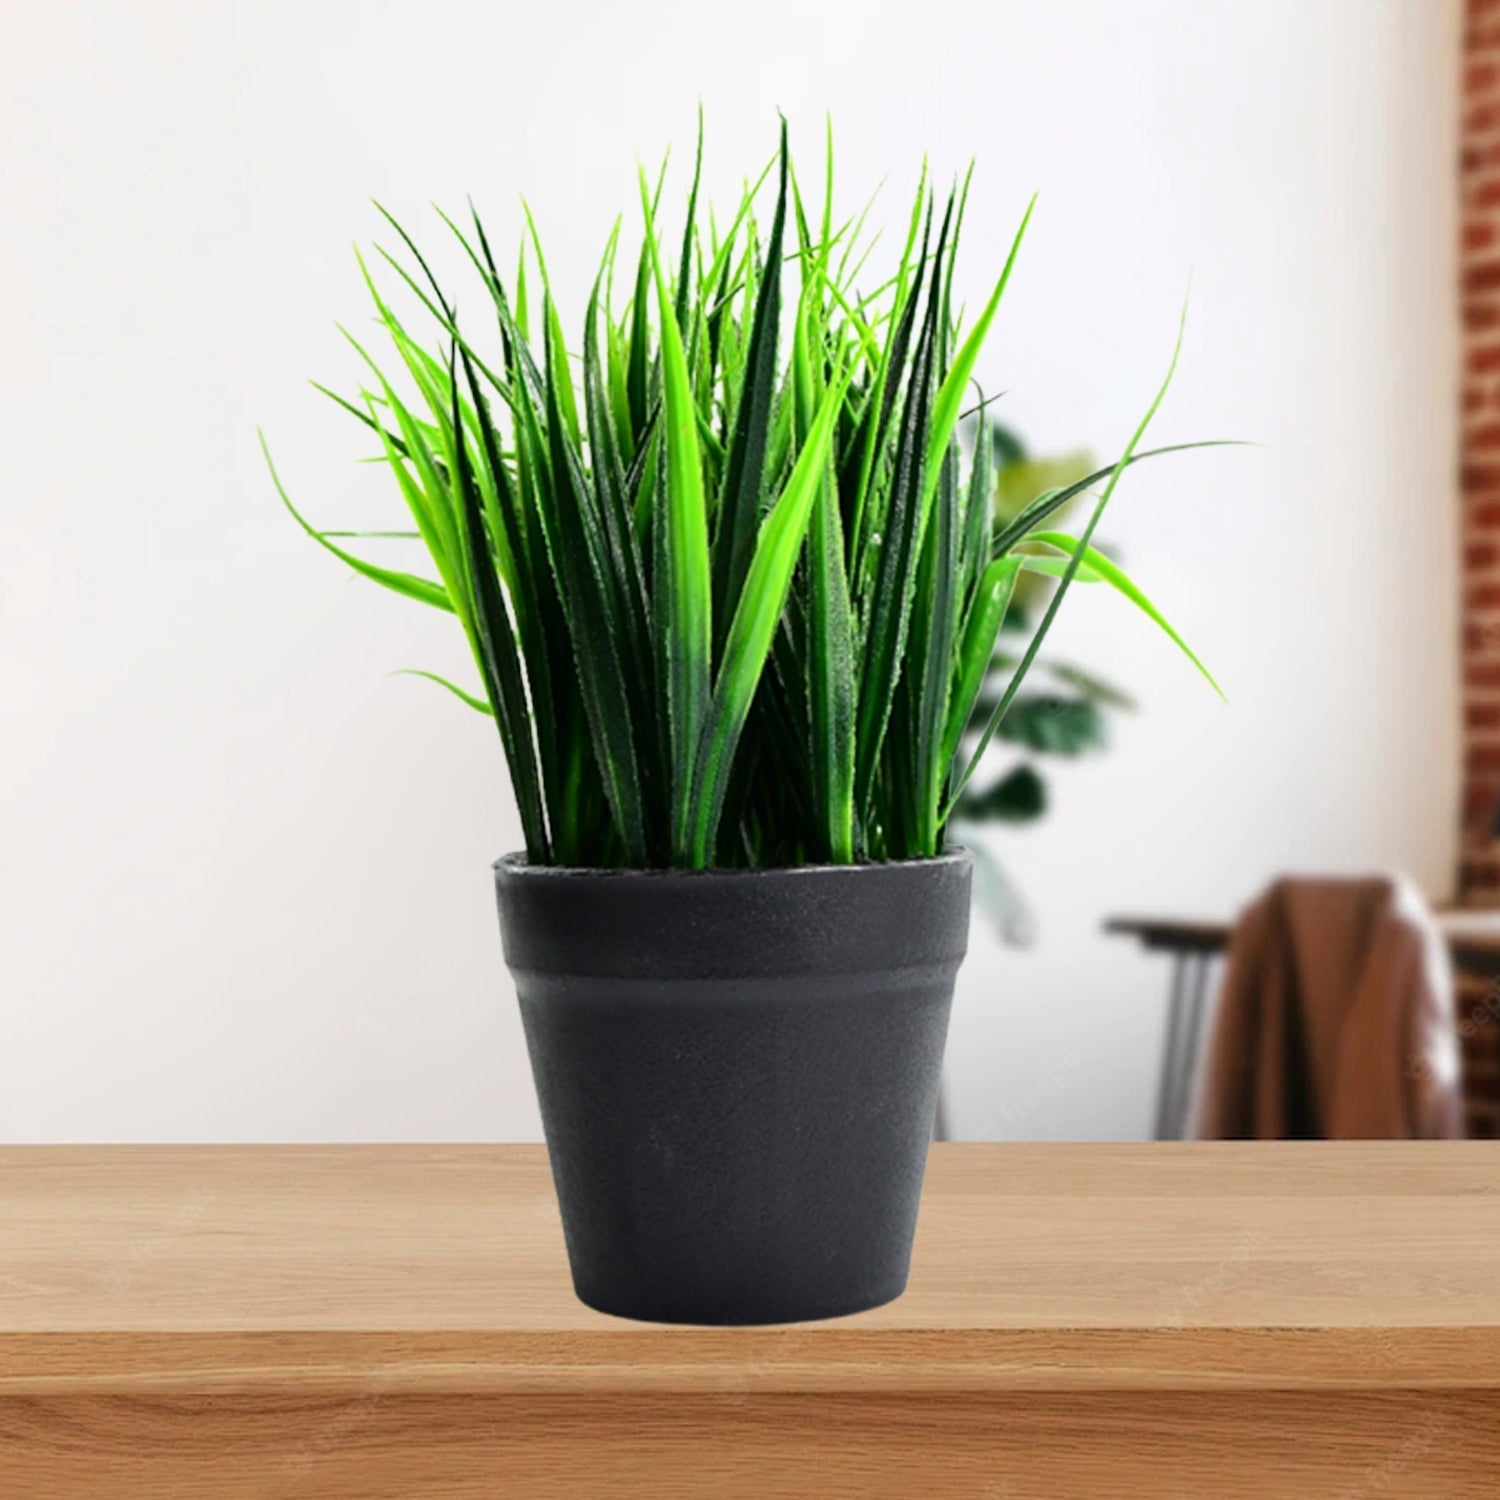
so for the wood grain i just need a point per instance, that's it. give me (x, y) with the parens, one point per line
(1094, 1320)
(1144, 1446)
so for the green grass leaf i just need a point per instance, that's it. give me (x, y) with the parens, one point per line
(424, 590)
(932, 657)
(495, 647)
(894, 588)
(479, 705)
(1114, 575)
(1074, 564)
(684, 591)
(736, 595)
(579, 558)
(1054, 567)
(755, 622)
(949, 399)
(739, 504)
(977, 648)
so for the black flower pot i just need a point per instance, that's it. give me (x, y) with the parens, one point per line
(738, 1072)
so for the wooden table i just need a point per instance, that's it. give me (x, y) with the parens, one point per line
(1308, 1320)
(1192, 944)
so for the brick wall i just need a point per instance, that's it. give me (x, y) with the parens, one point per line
(1479, 181)
(1480, 448)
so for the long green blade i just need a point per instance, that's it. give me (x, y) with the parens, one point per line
(739, 503)
(933, 656)
(949, 399)
(830, 666)
(479, 705)
(977, 648)
(579, 559)
(406, 584)
(899, 557)
(495, 647)
(684, 593)
(1116, 577)
(1055, 567)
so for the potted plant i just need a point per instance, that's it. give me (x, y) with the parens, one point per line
(731, 603)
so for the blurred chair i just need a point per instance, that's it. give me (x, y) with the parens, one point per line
(1334, 1021)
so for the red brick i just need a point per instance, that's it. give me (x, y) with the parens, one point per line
(1479, 476)
(1482, 117)
(1481, 637)
(1479, 802)
(1478, 154)
(1481, 314)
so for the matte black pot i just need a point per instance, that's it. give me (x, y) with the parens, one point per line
(738, 1072)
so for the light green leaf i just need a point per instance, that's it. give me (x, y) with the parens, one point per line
(476, 703)
(407, 584)
(1103, 568)
(684, 592)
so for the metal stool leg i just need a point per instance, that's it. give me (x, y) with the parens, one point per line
(1166, 1087)
(1196, 1001)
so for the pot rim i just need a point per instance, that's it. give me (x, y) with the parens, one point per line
(517, 865)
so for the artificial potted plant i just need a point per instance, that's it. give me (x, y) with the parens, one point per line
(732, 604)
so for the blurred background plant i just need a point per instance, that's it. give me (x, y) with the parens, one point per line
(1062, 713)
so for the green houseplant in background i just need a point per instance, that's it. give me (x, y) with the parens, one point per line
(732, 601)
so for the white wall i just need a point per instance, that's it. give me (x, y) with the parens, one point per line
(243, 872)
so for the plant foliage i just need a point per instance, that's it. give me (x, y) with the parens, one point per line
(730, 593)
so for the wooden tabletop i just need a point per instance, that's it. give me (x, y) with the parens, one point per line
(1256, 1322)
(1037, 1266)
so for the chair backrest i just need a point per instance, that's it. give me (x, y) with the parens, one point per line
(1335, 1019)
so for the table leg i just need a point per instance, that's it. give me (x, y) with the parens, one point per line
(1186, 1004)
(1166, 1087)
(1195, 1003)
